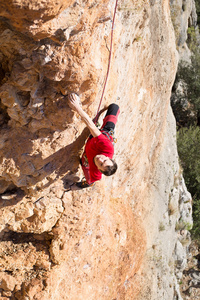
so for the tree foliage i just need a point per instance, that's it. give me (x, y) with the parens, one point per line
(186, 97)
(189, 74)
(188, 140)
(197, 4)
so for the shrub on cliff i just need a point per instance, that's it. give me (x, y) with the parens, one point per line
(197, 4)
(192, 40)
(188, 140)
(186, 98)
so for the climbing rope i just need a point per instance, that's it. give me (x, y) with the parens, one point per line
(109, 61)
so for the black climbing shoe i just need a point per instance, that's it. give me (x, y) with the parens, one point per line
(83, 184)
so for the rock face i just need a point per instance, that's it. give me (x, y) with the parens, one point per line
(191, 278)
(102, 242)
(183, 14)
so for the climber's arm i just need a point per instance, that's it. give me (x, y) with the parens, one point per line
(74, 103)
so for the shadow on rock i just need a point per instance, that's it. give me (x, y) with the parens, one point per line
(65, 162)
(62, 164)
(11, 197)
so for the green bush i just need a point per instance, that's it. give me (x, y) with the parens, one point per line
(197, 3)
(190, 75)
(192, 38)
(186, 98)
(188, 141)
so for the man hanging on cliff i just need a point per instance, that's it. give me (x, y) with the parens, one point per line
(97, 157)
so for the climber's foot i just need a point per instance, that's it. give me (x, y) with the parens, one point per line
(83, 184)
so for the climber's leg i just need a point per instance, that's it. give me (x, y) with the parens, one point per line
(111, 117)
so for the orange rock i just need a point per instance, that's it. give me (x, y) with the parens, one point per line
(7, 282)
(94, 241)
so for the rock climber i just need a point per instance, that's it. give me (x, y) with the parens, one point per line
(98, 153)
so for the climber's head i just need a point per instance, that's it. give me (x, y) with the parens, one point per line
(105, 165)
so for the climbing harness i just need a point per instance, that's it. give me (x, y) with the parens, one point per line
(109, 61)
(109, 134)
(85, 167)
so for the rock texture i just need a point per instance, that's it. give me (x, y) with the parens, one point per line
(183, 14)
(190, 282)
(167, 240)
(99, 243)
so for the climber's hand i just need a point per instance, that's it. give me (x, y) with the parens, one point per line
(74, 102)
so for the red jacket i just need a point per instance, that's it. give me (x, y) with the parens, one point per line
(94, 146)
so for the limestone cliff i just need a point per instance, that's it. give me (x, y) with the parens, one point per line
(111, 240)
